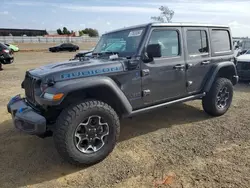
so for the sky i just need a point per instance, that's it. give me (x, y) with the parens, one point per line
(107, 15)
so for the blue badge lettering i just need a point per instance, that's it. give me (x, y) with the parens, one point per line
(90, 72)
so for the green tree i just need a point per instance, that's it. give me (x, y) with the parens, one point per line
(91, 32)
(59, 31)
(81, 33)
(65, 31)
(165, 16)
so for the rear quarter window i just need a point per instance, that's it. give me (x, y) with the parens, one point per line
(221, 42)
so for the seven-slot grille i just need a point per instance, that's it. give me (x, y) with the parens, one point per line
(29, 86)
(243, 65)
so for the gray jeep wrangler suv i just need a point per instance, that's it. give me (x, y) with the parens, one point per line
(131, 71)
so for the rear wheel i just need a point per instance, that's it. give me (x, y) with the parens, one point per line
(86, 132)
(219, 98)
(11, 61)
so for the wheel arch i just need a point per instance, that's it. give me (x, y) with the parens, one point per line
(222, 70)
(99, 88)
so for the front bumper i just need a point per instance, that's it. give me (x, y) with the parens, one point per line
(26, 118)
(235, 79)
(244, 74)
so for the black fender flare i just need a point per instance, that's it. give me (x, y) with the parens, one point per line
(215, 70)
(69, 86)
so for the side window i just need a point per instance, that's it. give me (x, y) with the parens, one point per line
(197, 42)
(204, 41)
(221, 41)
(169, 41)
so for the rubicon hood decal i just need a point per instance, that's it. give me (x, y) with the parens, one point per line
(91, 72)
(77, 69)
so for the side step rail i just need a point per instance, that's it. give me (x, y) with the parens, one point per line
(150, 108)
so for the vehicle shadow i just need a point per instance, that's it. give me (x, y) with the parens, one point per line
(28, 160)
(242, 86)
(159, 119)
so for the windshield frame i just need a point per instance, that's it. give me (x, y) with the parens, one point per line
(137, 52)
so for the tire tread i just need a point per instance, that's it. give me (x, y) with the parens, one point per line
(67, 117)
(208, 101)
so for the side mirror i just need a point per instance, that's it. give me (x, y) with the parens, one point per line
(153, 50)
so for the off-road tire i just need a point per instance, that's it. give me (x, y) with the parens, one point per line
(67, 123)
(209, 102)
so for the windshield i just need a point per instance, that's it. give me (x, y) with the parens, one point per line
(246, 44)
(248, 52)
(125, 42)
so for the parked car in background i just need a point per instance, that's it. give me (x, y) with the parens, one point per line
(13, 48)
(84, 53)
(243, 66)
(241, 47)
(64, 47)
(6, 57)
(245, 45)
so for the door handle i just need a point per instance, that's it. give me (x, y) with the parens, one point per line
(177, 67)
(145, 72)
(205, 62)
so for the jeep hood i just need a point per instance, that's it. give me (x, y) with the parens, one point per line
(244, 57)
(77, 69)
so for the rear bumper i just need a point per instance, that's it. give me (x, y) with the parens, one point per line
(25, 118)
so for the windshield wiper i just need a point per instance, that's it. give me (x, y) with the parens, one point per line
(104, 53)
(112, 53)
(97, 53)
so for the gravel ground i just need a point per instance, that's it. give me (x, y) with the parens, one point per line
(179, 146)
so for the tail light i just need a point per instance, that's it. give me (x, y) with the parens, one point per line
(6, 51)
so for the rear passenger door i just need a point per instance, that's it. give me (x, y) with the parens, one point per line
(198, 57)
(62, 47)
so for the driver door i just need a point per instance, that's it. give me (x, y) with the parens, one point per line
(164, 78)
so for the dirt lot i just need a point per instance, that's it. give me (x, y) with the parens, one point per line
(180, 144)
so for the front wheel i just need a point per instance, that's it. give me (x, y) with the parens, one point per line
(86, 132)
(219, 98)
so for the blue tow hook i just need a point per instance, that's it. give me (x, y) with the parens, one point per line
(21, 109)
